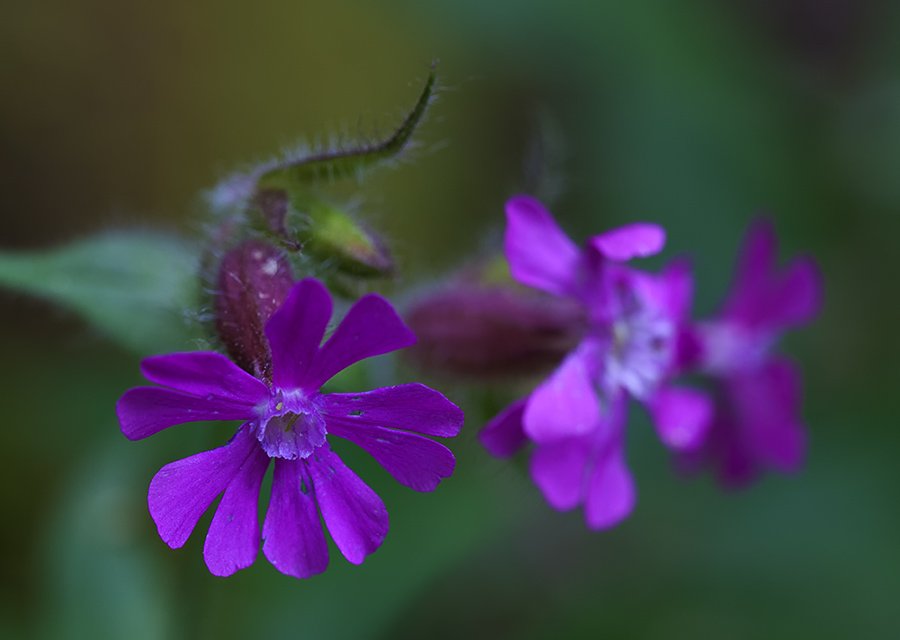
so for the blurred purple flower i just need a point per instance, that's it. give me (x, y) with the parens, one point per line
(288, 421)
(757, 423)
(577, 416)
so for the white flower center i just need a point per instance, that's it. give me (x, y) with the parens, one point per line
(291, 426)
(640, 352)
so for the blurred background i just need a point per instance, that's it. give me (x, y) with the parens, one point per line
(698, 115)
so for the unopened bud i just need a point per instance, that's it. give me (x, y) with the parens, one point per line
(489, 331)
(333, 237)
(323, 233)
(254, 279)
(280, 199)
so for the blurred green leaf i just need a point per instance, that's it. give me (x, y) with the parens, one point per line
(102, 582)
(134, 286)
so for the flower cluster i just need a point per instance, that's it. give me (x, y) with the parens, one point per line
(639, 339)
(609, 333)
(615, 334)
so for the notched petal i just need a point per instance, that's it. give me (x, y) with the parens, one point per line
(410, 407)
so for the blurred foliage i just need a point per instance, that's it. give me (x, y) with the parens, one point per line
(99, 581)
(697, 115)
(133, 286)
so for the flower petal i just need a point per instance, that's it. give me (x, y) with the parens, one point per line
(682, 416)
(670, 292)
(370, 328)
(559, 470)
(756, 261)
(143, 411)
(232, 542)
(204, 373)
(504, 435)
(295, 332)
(610, 492)
(755, 271)
(637, 240)
(798, 297)
(540, 254)
(768, 406)
(411, 407)
(564, 405)
(413, 460)
(354, 514)
(181, 491)
(726, 452)
(294, 541)
(677, 281)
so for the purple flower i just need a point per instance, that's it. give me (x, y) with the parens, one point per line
(289, 420)
(757, 424)
(576, 417)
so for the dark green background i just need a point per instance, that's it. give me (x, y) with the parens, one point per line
(696, 114)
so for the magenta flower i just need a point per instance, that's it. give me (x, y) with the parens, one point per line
(757, 424)
(289, 420)
(576, 417)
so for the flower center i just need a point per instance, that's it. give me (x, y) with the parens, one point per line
(291, 426)
(640, 352)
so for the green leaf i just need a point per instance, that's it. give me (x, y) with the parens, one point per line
(136, 287)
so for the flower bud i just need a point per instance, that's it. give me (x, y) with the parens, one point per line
(323, 233)
(280, 200)
(489, 331)
(332, 236)
(254, 279)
